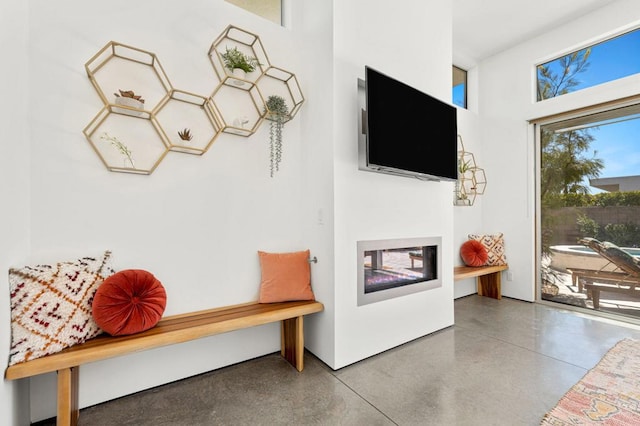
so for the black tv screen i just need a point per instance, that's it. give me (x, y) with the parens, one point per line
(408, 132)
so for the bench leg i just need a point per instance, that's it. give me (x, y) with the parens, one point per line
(292, 341)
(68, 383)
(595, 296)
(490, 285)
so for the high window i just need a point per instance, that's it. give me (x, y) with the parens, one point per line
(459, 93)
(268, 9)
(599, 63)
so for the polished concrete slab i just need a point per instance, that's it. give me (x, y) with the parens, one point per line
(504, 362)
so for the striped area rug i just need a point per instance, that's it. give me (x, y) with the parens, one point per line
(609, 394)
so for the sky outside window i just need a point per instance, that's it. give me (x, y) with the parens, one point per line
(618, 143)
(609, 60)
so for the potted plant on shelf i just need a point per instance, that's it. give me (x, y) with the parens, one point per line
(185, 134)
(128, 98)
(462, 199)
(276, 112)
(239, 64)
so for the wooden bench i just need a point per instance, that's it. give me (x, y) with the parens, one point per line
(170, 330)
(489, 278)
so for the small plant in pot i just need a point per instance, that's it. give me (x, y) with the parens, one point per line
(130, 99)
(277, 113)
(185, 134)
(238, 63)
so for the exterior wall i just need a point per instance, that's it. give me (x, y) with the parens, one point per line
(565, 228)
(622, 183)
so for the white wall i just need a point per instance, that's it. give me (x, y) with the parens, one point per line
(313, 26)
(507, 102)
(196, 222)
(370, 206)
(14, 186)
(468, 219)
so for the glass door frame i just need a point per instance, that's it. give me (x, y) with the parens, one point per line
(580, 115)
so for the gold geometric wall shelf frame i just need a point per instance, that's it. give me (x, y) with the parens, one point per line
(247, 43)
(128, 56)
(280, 82)
(136, 68)
(121, 153)
(190, 112)
(472, 179)
(139, 68)
(239, 112)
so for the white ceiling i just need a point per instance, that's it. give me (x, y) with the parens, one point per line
(482, 28)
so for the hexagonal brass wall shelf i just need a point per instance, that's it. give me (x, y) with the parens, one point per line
(271, 80)
(125, 143)
(279, 82)
(240, 112)
(116, 67)
(187, 122)
(472, 180)
(246, 43)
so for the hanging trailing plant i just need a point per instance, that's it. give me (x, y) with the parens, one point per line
(276, 112)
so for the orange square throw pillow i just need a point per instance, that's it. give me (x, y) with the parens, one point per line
(285, 277)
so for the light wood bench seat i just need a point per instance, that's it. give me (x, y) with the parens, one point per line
(489, 278)
(170, 330)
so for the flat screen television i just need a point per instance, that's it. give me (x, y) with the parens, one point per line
(407, 132)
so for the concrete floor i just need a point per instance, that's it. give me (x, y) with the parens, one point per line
(504, 362)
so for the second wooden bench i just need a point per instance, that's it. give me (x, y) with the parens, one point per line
(489, 278)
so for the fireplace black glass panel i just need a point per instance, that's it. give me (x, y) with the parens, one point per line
(391, 268)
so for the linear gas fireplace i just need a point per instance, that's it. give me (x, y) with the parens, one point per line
(393, 268)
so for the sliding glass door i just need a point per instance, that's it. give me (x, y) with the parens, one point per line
(589, 210)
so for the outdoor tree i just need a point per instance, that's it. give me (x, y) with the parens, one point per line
(559, 77)
(564, 164)
(564, 155)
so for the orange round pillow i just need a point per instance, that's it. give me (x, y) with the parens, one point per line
(128, 302)
(473, 253)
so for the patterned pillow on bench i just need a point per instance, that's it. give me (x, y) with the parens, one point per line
(51, 305)
(494, 243)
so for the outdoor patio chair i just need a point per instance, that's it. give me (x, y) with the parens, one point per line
(624, 279)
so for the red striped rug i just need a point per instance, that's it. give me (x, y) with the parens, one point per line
(609, 394)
